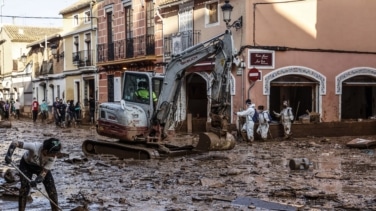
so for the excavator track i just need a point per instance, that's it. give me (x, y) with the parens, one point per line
(121, 150)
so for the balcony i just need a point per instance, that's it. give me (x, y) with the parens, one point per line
(178, 42)
(126, 49)
(83, 58)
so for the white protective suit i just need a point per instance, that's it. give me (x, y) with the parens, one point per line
(249, 124)
(286, 119)
(263, 127)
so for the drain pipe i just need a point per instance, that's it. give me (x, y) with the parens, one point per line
(163, 41)
(249, 89)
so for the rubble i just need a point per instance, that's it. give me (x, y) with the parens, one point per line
(247, 177)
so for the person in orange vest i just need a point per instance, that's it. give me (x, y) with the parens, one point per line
(35, 109)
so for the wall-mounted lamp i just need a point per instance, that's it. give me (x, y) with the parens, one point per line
(23, 58)
(227, 9)
(55, 52)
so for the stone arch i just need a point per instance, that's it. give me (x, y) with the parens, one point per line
(352, 73)
(295, 70)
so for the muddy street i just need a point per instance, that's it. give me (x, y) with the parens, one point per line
(256, 177)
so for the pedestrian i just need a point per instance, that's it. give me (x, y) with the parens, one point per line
(56, 112)
(248, 126)
(92, 109)
(71, 113)
(77, 110)
(37, 160)
(6, 110)
(62, 110)
(2, 112)
(286, 118)
(35, 109)
(264, 120)
(17, 106)
(44, 110)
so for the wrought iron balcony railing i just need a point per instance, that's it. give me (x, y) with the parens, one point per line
(126, 49)
(83, 58)
(178, 42)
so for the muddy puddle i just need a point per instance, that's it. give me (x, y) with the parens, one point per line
(256, 177)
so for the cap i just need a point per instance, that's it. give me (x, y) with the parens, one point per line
(52, 145)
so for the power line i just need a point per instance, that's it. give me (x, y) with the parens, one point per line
(33, 17)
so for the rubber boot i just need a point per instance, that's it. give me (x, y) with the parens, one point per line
(244, 136)
(22, 203)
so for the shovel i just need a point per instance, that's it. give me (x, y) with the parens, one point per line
(14, 166)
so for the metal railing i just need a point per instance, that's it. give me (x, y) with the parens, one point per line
(126, 49)
(178, 42)
(83, 58)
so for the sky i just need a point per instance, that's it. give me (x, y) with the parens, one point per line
(33, 8)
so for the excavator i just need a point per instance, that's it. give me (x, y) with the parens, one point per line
(142, 121)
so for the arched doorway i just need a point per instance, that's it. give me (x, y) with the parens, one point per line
(357, 90)
(197, 99)
(301, 86)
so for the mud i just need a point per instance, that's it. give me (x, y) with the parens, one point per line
(256, 177)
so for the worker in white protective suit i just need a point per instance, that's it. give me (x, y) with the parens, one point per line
(286, 118)
(264, 119)
(248, 126)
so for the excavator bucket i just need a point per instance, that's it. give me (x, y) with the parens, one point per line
(212, 142)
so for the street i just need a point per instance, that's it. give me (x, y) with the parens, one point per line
(254, 177)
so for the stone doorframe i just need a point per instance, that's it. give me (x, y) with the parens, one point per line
(296, 70)
(340, 78)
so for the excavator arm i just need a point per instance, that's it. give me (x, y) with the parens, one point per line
(221, 47)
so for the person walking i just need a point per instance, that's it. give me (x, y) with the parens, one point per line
(7, 110)
(286, 118)
(35, 109)
(62, 111)
(264, 120)
(38, 160)
(56, 112)
(248, 126)
(17, 106)
(91, 109)
(44, 110)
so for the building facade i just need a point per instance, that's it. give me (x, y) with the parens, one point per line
(79, 35)
(317, 59)
(16, 63)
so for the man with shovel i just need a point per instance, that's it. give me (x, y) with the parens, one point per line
(39, 160)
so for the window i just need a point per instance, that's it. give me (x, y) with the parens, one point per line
(212, 13)
(150, 17)
(186, 19)
(128, 22)
(87, 18)
(75, 20)
(76, 47)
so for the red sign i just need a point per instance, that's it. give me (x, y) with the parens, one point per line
(253, 75)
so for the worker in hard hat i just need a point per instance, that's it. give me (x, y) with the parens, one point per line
(142, 92)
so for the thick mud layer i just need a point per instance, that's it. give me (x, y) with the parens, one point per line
(248, 177)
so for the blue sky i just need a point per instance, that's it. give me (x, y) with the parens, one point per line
(33, 8)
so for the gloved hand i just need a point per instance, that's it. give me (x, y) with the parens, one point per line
(8, 159)
(37, 180)
(33, 184)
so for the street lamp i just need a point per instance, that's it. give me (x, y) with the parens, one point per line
(55, 52)
(227, 9)
(23, 58)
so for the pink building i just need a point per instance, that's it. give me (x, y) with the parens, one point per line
(318, 55)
